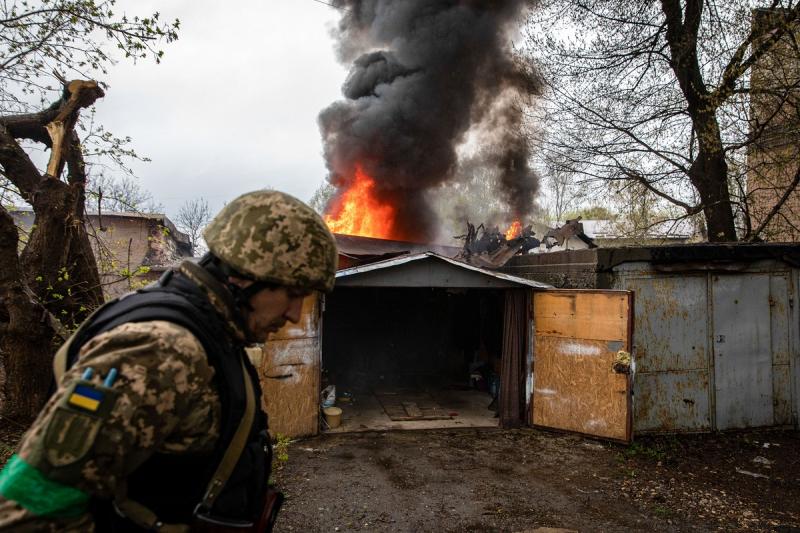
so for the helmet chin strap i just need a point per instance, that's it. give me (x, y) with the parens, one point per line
(241, 295)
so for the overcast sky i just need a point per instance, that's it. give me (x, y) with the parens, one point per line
(233, 105)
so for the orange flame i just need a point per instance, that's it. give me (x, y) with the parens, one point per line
(514, 230)
(359, 212)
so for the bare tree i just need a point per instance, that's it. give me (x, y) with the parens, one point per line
(658, 92)
(50, 283)
(108, 192)
(562, 192)
(319, 200)
(193, 217)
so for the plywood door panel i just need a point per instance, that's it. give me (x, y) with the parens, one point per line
(582, 313)
(290, 374)
(577, 337)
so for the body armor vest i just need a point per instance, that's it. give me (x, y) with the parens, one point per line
(173, 485)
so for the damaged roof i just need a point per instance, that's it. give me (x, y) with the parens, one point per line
(369, 247)
(429, 269)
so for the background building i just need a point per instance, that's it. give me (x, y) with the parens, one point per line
(132, 249)
(774, 156)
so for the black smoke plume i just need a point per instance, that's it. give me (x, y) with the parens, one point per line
(424, 74)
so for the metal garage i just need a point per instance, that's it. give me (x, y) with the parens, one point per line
(411, 321)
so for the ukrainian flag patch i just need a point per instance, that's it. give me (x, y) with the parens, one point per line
(86, 397)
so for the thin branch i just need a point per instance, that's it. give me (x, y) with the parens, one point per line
(736, 67)
(777, 207)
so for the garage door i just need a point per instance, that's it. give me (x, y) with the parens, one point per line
(290, 374)
(581, 344)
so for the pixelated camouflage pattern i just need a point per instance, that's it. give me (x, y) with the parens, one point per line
(166, 403)
(272, 236)
(19, 520)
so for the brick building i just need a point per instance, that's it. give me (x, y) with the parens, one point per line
(773, 157)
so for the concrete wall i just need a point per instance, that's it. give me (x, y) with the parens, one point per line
(132, 251)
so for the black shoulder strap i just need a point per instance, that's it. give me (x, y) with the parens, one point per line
(156, 303)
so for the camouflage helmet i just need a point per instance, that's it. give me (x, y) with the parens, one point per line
(274, 237)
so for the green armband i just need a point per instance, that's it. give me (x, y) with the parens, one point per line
(27, 486)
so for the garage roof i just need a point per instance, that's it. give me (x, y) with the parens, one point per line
(429, 270)
(357, 245)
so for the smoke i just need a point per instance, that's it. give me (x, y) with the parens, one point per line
(425, 74)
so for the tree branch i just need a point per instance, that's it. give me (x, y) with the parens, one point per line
(631, 174)
(736, 67)
(17, 166)
(78, 94)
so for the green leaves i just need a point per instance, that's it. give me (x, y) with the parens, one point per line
(72, 37)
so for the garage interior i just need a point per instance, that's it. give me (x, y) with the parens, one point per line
(413, 358)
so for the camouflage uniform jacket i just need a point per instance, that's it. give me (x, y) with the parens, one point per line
(166, 403)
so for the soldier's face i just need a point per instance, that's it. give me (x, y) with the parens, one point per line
(272, 308)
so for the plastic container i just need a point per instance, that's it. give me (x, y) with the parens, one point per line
(329, 396)
(333, 416)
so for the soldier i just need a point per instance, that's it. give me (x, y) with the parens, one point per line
(155, 425)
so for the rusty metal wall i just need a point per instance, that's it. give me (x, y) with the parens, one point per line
(670, 339)
(742, 342)
(781, 346)
(794, 349)
(713, 350)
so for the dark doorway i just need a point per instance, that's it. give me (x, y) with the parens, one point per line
(413, 357)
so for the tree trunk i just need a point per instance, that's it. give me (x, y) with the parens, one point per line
(54, 281)
(709, 175)
(26, 339)
(29, 350)
(59, 265)
(709, 172)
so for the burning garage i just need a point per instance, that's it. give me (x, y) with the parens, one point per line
(422, 340)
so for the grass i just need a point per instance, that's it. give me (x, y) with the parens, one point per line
(662, 512)
(656, 450)
(280, 452)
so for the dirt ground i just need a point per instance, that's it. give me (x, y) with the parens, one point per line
(521, 480)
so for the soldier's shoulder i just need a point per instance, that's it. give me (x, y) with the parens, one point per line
(154, 335)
